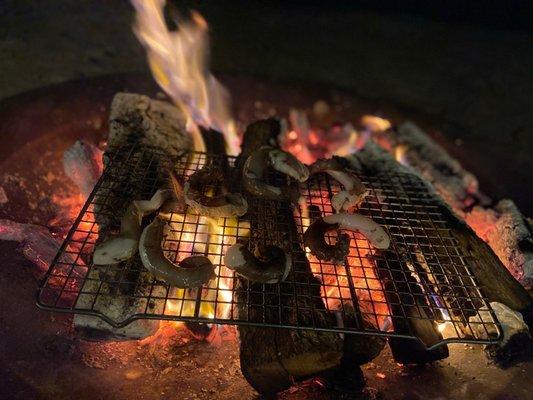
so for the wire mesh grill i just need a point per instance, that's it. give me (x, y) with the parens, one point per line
(423, 276)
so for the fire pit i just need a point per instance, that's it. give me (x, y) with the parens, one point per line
(433, 283)
(91, 362)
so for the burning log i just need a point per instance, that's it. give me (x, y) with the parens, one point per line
(37, 243)
(136, 118)
(272, 359)
(410, 315)
(497, 284)
(133, 119)
(414, 147)
(501, 289)
(496, 281)
(509, 234)
(503, 227)
(418, 320)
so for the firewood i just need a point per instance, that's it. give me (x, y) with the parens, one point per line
(134, 119)
(510, 236)
(82, 163)
(272, 358)
(457, 186)
(501, 226)
(417, 322)
(496, 283)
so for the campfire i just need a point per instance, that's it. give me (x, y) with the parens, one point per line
(311, 242)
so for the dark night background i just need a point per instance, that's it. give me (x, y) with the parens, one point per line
(466, 64)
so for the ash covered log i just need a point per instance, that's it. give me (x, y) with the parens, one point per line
(271, 358)
(414, 147)
(156, 123)
(410, 314)
(82, 163)
(502, 226)
(134, 119)
(496, 282)
(509, 234)
(37, 244)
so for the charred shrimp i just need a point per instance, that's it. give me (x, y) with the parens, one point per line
(190, 272)
(124, 246)
(315, 235)
(256, 168)
(354, 190)
(274, 268)
(222, 204)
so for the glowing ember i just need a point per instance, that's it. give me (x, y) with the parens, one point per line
(179, 63)
(336, 291)
(309, 143)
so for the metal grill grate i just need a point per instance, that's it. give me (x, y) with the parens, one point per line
(424, 275)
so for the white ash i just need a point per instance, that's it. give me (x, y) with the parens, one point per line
(82, 164)
(117, 308)
(512, 323)
(516, 343)
(162, 124)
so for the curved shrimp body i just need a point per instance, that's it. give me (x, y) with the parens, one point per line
(193, 271)
(255, 173)
(273, 269)
(124, 246)
(354, 190)
(315, 239)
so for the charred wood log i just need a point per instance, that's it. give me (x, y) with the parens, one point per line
(410, 315)
(496, 283)
(509, 234)
(271, 358)
(457, 186)
(138, 119)
(502, 226)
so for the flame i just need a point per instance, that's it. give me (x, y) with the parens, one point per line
(205, 235)
(179, 63)
(373, 123)
(351, 145)
(309, 143)
(217, 297)
(400, 154)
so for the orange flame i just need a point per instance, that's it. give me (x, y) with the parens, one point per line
(179, 63)
(400, 153)
(375, 124)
